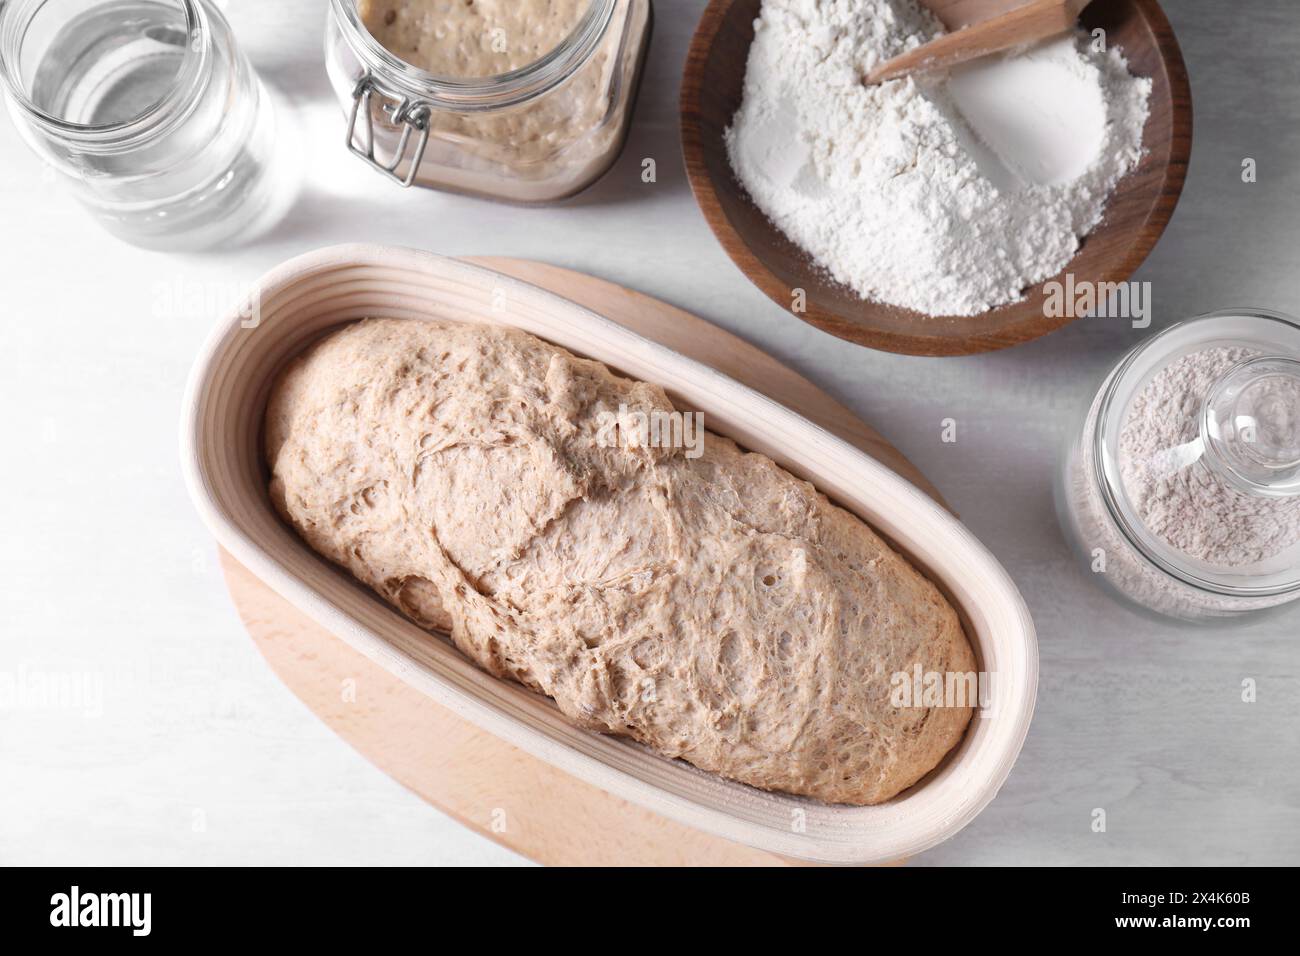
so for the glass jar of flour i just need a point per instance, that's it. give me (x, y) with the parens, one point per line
(526, 101)
(1182, 492)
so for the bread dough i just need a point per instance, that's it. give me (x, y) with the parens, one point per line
(714, 608)
(456, 38)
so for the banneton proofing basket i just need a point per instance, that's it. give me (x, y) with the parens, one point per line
(309, 295)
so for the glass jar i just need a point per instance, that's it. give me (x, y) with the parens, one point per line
(540, 133)
(1182, 490)
(149, 110)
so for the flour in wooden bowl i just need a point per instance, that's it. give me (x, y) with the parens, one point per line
(949, 195)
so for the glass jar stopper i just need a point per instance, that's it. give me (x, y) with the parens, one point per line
(1250, 426)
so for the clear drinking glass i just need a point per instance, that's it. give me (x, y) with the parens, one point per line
(149, 110)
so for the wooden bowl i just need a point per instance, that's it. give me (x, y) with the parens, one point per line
(307, 296)
(1135, 217)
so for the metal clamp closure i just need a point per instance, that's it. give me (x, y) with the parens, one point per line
(411, 115)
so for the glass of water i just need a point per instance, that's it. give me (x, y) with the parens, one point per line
(150, 111)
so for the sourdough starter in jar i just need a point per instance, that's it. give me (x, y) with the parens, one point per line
(525, 100)
(1183, 490)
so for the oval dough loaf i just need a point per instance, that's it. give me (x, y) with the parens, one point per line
(714, 608)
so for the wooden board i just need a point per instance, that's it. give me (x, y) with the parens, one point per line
(465, 772)
(1136, 214)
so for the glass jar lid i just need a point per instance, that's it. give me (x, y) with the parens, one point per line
(1250, 426)
(1198, 451)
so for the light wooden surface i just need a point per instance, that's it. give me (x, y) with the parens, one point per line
(488, 785)
(1136, 214)
(1001, 26)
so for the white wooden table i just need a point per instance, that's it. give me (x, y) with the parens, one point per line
(177, 744)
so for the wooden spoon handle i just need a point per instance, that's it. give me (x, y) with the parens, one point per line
(955, 14)
(1034, 21)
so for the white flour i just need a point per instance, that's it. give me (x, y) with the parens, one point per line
(1190, 507)
(947, 196)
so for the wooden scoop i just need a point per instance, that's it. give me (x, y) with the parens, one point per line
(981, 27)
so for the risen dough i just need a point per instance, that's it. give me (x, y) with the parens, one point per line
(715, 608)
